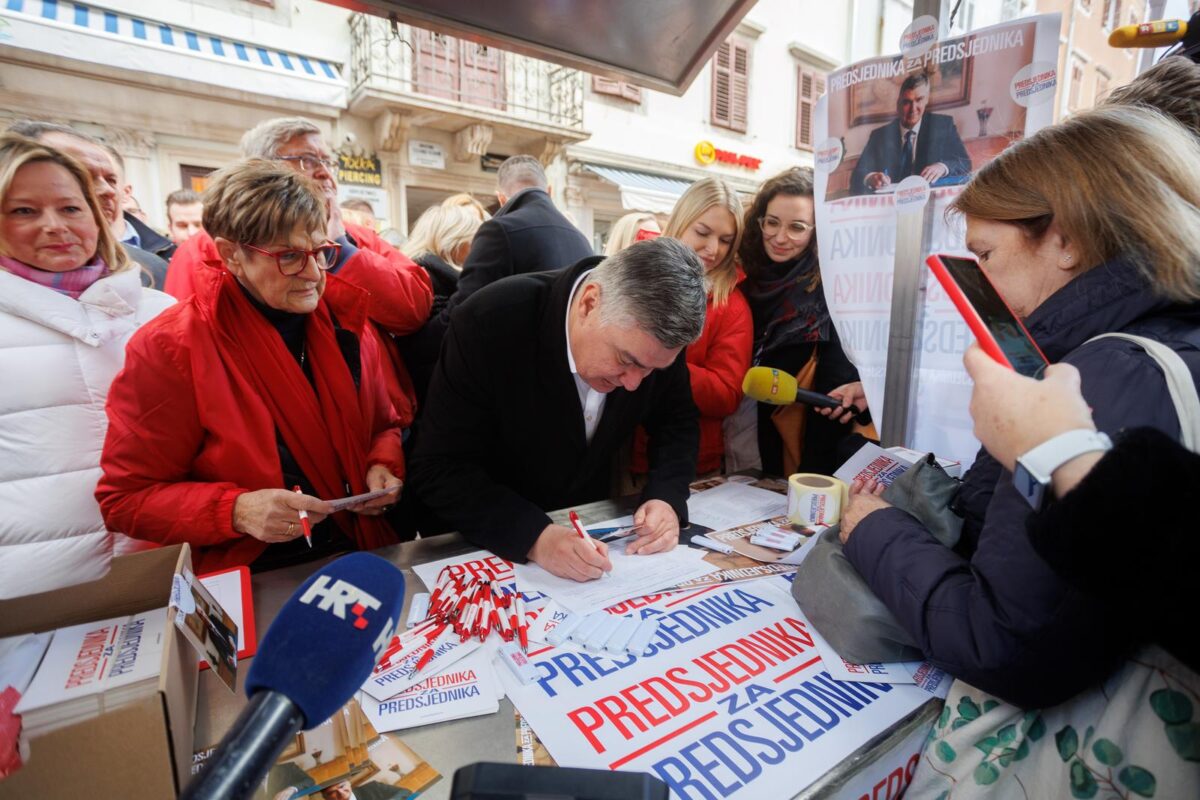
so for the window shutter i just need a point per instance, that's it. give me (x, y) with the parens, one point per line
(626, 91)
(722, 86)
(810, 86)
(740, 95)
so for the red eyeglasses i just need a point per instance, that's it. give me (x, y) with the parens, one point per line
(293, 260)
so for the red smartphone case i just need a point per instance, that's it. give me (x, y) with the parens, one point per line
(975, 322)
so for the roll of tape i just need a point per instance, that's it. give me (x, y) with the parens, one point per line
(815, 499)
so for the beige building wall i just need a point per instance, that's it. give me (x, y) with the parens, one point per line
(1088, 68)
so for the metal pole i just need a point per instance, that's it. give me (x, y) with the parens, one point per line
(907, 273)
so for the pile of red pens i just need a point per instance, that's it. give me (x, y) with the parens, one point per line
(465, 608)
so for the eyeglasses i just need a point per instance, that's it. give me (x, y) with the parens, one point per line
(795, 230)
(293, 260)
(309, 163)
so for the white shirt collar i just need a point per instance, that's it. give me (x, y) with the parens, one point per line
(916, 129)
(567, 321)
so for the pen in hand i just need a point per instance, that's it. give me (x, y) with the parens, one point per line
(304, 520)
(578, 526)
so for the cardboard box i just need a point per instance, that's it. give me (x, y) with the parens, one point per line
(141, 750)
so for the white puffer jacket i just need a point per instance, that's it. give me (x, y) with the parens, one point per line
(58, 357)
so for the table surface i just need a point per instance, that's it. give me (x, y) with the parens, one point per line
(446, 746)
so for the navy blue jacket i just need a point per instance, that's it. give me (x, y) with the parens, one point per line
(937, 141)
(993, 613)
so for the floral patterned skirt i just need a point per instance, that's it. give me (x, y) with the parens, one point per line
(1135, 735)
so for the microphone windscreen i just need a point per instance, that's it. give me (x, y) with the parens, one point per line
(329, 635)
(769, 385)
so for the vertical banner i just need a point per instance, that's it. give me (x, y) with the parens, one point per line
(901, 135)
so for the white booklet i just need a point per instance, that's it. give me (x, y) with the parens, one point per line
(84, 660)
(465, 689)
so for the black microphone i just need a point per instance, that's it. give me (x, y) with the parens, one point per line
(320, 649)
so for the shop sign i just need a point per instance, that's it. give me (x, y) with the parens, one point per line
(360, 170)
(707, 154)
(426, 154)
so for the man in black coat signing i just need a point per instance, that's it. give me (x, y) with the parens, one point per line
(542, 377)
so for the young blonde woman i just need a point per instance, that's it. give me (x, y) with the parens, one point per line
(69, 301)
(708, 219)
(626, 230)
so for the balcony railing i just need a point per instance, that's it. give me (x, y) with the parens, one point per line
(415, 61)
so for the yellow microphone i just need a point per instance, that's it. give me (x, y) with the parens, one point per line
(1158, 33)
(778, 388)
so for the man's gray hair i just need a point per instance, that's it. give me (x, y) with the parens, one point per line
(35, 129)
(656, 286)
(265, 138)
(521, 172)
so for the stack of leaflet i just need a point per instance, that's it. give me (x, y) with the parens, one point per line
(93, 668)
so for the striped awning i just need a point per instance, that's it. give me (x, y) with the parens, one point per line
(642, 191)
(83, 32)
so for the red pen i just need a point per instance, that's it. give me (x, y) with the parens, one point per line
(578, 526)
(304, 520)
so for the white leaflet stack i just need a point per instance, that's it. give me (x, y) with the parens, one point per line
(93, 668)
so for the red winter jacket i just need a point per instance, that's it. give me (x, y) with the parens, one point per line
(401, 296)
(717, 363)
(185, 439)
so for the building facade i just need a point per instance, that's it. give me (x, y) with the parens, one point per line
(416, 115)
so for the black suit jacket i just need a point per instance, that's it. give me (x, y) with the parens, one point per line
(937, 140)
(151, 240)
(502, 437)
(528, 234)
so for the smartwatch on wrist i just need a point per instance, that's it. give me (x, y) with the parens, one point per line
(1035, 469)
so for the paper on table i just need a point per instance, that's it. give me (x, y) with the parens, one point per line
(468, 689)
(733, 504)
(391, 678)
(921, 673)
(871, 461)
(632, 576)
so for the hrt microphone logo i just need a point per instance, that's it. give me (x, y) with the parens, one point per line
(336, 596)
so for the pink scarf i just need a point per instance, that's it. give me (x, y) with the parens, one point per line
(72, 283)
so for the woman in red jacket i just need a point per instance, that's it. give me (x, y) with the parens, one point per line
(269, 377)
(708, 218)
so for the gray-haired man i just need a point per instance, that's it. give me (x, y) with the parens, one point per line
(542, 378)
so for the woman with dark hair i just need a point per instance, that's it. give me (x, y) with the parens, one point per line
(792, 333)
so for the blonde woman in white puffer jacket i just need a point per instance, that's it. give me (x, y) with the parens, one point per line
(69, 301)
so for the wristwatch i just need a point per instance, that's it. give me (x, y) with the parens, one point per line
(1035, 468)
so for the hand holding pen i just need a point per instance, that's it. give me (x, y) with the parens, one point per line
(561, 550)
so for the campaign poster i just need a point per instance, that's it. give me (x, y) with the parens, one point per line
(730, 700)
(903, 134)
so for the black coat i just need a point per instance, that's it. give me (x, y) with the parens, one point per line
(420, 349)
(151, 240)
(1152, 578)
(528, 234)
(937, 141)
(502, 437)
(994, 613)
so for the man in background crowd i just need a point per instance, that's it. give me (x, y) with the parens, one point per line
(527, 234)
(135, 232)
(185, 214)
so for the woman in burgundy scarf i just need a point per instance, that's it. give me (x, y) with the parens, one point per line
(268, 378)
(791, 326)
